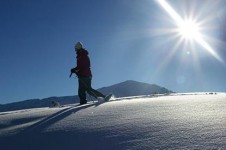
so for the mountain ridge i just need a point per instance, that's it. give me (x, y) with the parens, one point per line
(134, 88)
(123, 89)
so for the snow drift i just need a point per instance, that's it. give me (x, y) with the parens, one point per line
(176, 121)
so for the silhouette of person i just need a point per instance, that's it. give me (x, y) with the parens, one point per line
(83, 71)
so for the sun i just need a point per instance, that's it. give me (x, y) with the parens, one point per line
(188, 29)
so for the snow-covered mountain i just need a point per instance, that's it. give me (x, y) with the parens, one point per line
(124, 89)
(173, 121)
(134, 88)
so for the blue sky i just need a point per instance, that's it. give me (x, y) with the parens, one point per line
(126, 39)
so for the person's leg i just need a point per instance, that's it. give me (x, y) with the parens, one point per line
(91, 91)
(95, 93)
(82, 91)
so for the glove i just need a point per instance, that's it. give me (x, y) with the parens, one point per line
(73, 70)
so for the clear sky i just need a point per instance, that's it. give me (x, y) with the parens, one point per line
(126, 39)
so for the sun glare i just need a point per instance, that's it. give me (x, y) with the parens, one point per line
(188, 30)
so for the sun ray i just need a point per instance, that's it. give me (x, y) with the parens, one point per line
(188, 29)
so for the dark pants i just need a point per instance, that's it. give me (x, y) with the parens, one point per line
(85, 86)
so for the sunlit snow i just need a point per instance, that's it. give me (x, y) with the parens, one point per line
(176, 121)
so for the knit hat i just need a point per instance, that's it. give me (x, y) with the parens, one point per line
(78, 46)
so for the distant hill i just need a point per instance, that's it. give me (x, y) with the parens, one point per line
(124, 89)
(134, 88)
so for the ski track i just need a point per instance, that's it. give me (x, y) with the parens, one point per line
(175, 121)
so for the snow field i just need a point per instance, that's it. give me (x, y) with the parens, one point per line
(177, 121)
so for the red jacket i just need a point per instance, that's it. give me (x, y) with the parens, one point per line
(83, 64)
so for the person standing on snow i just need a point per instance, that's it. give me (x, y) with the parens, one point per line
(83, 71)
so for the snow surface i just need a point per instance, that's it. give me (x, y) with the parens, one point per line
(175, 121)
